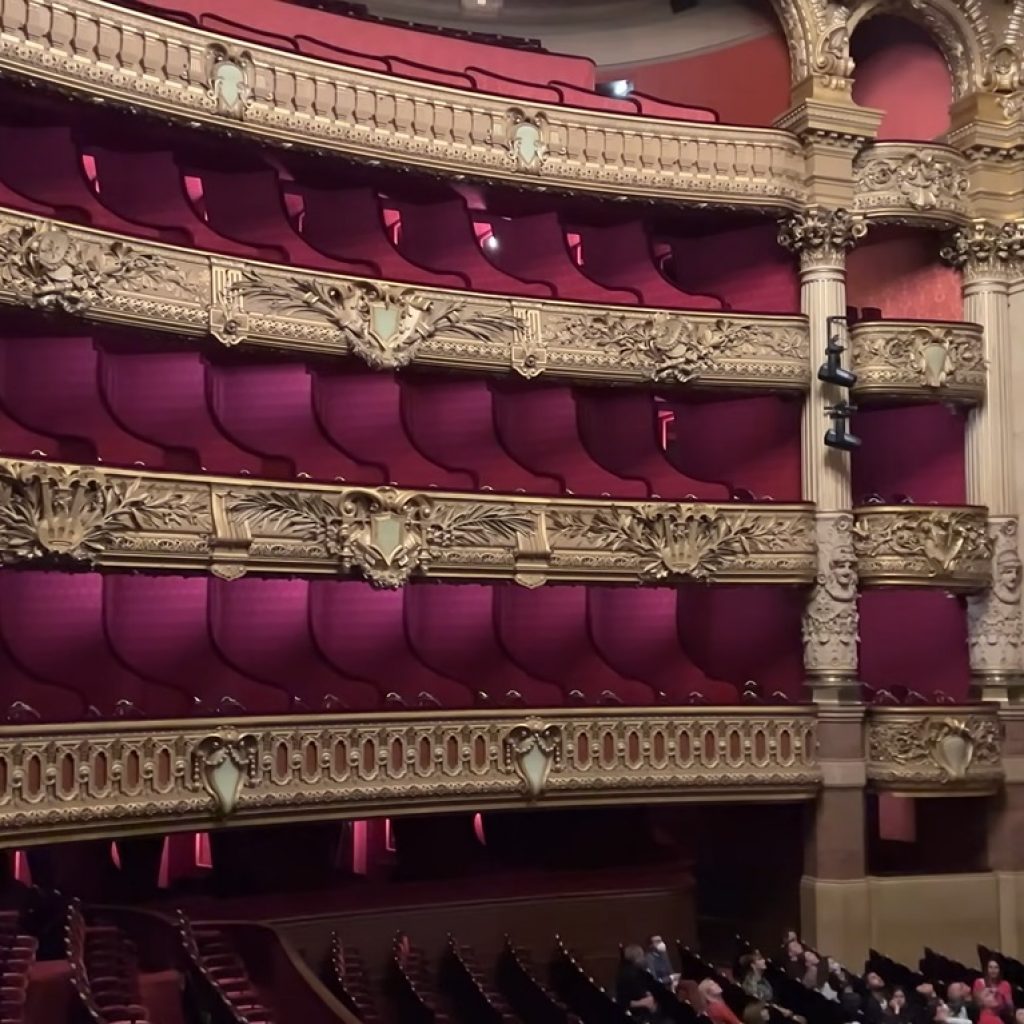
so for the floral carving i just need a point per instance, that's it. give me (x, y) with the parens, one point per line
(382, 323)
(923, 179)
(47, 267)
(60, 512)
(821, 236)
(671, 349)
(950, 546)
(892, 356)
(387, 534)
(695, 541)
(923, 749)
(830, 619)
(994, 615)
(985, 249)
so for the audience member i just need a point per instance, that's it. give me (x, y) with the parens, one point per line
(714, 1004)
(959, 1003)
(633, 986)
(756, 1013)
(659, 964)
(899, 1011)
(795, 966)
(994, 982)
(988, 1005)
(877, 1003)
(752, 968)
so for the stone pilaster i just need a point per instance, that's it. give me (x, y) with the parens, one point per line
(822, 239)
(988, 256)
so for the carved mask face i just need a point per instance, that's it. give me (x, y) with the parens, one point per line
(1007, 576)
(50, 249)
(844, 578)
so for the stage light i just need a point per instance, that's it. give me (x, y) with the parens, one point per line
(618, 89)
(831, 371)
(838, 435)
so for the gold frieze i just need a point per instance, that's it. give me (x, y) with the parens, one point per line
(52, 513)
(941, 750)
(53, 265)
(923, 546)
(113, 779)
(943, 362)
(201, 78)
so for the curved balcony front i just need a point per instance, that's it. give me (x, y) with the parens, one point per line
(923, 546)
(97, 51)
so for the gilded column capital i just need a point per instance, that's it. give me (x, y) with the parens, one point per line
(986, 250)
(995, 634)
(821, 237)
(830, 618)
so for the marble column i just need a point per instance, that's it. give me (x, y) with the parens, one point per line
(987, 256)
(821, 238)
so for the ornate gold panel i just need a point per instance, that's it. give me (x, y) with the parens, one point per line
(915, 359)
(117, 518)
(912, 183)
(100, 51)
(109, 779)
(51, 265)
(936, 750)
(923, 546)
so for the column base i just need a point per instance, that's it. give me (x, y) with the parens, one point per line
(834, 689)
(998, 688)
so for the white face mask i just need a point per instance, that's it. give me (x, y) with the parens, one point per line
(660, 946)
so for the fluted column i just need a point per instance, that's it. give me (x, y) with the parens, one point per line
(822, 239)
(987, 256)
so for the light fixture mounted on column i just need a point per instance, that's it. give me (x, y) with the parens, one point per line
(831, 371)
(838, 435)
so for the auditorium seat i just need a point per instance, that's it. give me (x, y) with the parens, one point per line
(361, 414)
(546, 632)
(160, 627)
(441, 236)
(451, 420)
(362, 630)
(538, 427)
(619, 429)
(452, 629)
(533, 248)
(262, 628)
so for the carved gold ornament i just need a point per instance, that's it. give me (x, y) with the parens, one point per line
(986, 249)
(830, 621)
(918, 749)
(923, 546)
(995, 632)
(917, 183)
(946, 361)
(105, 278)
(47, 267)
(821, 237)
(176, 71)
(104, 779)
(533, 749)
(116, 517)
(223, 763)
(382, 324)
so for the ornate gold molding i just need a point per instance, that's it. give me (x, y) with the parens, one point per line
(116, 518)
(52, 265)
(939, 361)
(986, 250)
(923, 546)
(912, 183)
(821, 237)
(138, 61)
(934, 750)
(110, 779)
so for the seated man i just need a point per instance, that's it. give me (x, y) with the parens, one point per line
(659, 964)
(633, 987)
(714, 1004)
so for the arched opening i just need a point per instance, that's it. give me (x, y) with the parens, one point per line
(900, 70)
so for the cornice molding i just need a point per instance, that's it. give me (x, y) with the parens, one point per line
(923, 546)
(116, 779)
(100, 51)
(934, 751)
(53, 513)
(943, 362)
(56, 266)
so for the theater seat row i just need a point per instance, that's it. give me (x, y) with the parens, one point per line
(126, 400)
(89, 645)
(389, 49)
(168, 186)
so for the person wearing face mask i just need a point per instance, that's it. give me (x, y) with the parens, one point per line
(659, 964)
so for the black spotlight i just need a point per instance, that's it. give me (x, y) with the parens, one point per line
(838, 435)
(831, 371)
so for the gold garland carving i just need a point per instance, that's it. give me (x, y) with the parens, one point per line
(116, 518)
